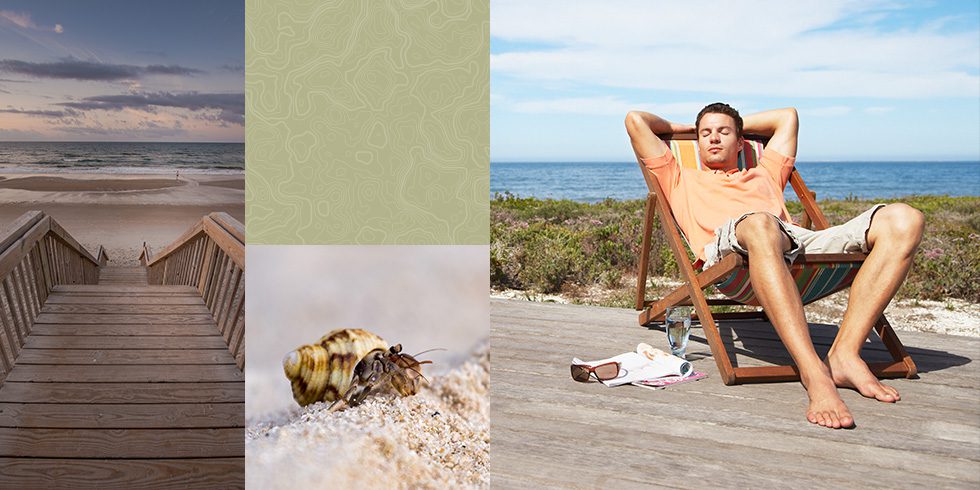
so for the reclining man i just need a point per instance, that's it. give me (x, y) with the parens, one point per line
(723, 210)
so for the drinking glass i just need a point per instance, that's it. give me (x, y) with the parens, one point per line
(678, 323)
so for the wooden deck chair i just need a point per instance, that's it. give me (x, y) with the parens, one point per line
(816, 275)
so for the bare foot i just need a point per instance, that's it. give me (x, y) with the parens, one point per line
(852, 372)
(826, 408)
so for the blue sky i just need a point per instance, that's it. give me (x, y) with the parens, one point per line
(872, 80)
(100, 70)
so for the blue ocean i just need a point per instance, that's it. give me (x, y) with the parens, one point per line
(593, 182)
(122, 157)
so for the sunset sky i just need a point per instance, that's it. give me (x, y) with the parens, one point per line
(122, 71)
(872, 79)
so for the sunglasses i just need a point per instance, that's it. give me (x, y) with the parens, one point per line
(603, 372)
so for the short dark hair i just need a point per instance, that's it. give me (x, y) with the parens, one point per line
(720, 108)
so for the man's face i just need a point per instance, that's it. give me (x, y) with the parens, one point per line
(717, 142)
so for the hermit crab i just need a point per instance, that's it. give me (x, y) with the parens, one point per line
(346, 365)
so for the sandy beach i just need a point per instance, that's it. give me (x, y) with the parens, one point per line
(121, 211)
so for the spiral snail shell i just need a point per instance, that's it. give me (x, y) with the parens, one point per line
(345, 365)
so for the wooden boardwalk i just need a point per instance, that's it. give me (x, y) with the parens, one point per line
(551, 432)
(123, 384)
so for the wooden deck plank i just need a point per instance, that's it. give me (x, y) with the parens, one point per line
(109, 319)
(126, 343)
(125, 329)
(120, 309)
(124, 374)
(202, 474)
(123, 357)
(110, 393)
(122, 443)
(112, 299)
(139, 290)
(122, 416)
(545, 425)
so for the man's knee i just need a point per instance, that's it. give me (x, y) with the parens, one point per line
(900, 222)
(760, 230)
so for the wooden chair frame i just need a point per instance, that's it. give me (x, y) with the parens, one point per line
(692, 292)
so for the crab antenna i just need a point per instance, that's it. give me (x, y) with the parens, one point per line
(430, 350)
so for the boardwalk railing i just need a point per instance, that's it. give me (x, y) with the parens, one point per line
(211, 257)
(36, 254)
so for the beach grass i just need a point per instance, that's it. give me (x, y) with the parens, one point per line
(561, 246)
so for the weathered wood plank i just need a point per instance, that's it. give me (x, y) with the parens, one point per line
(546, 425)
(112, 299)
(123, 309)
(212, 392)
(122, 443)
(108, 319)
(138, 290)
(116, 416)
(132, 329)
(202, 474)
(127, 374)
(123, 357)
(120, 342)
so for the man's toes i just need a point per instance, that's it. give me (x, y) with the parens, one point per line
(893, 392)
(846, 420)
(834, 421)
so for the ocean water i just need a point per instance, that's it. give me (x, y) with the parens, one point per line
(595, 181)
(112, 157)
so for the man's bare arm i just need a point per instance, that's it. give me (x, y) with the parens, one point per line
(782, 126)
(643, 129)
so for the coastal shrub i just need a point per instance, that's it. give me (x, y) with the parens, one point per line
(550, 246)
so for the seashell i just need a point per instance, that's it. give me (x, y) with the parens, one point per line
(324, 371)
(345, 366)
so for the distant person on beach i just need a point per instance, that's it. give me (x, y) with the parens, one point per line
(724, 210)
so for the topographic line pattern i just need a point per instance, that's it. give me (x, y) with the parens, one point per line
(367, 122)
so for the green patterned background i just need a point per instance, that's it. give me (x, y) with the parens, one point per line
(367, 122)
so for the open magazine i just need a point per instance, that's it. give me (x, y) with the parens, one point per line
(647, 367)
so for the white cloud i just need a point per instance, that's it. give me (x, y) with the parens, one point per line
(24, 21)
(603, 106)
(878, 109)
(710, 46)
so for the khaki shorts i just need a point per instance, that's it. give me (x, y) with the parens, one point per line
(850, 237)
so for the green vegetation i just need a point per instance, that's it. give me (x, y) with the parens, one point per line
(550, 246)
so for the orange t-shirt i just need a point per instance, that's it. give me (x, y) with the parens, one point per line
(703, 200)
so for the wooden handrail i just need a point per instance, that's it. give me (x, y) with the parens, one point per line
(211, 257)
(36, 254)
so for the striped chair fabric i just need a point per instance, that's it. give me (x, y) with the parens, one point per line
(814, 281)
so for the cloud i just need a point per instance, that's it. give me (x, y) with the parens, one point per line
(171, 70)
(41, 113)
(228, 108)
(75, 69)
(24, 21)
(232, 68)
(19, 135)
(603, 106)
(813, 49)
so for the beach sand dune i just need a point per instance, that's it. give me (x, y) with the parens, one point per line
(120, 212)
